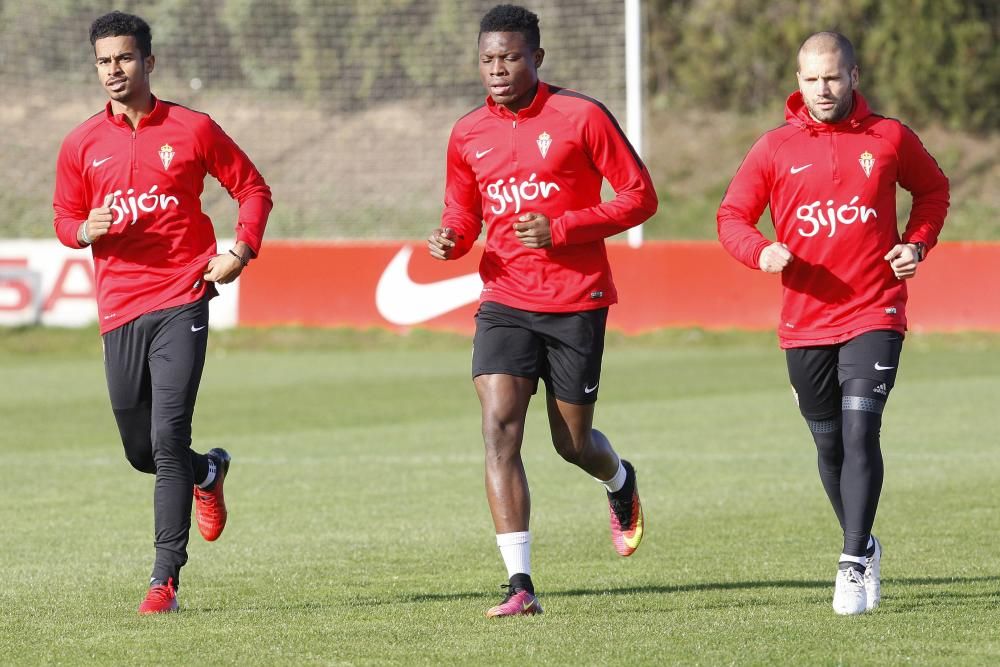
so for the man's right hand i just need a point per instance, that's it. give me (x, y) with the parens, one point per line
(774, 258)
(97, 224)
(440, 243)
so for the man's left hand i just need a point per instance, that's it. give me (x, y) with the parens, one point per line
(903, 260)
(533, 231)
(226, 268)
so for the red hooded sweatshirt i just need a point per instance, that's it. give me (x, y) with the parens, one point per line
(831, 189)
(550, 158)
(152, 179)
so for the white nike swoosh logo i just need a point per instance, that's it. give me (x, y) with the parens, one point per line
(480, 154)
(98, 163)
(796, 170)
(590, 390)
(197, 329)
(401, 301)
(879, 367)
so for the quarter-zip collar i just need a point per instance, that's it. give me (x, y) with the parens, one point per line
(158, 112)
(542, 93)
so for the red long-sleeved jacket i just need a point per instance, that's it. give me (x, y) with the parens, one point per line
(549, 158)
(160, 240)
(832, 193)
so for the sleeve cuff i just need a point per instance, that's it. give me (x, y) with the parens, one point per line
(557, 229)
(244, 234)
(755, 255)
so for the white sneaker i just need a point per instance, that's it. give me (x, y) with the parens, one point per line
(849, 597)
(873, 577)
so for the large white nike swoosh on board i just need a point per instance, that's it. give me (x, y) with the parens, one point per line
(401, 301)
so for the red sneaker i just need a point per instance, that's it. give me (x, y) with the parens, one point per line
(161, 599)
(210, 505)
(518, 602)
(626, 514)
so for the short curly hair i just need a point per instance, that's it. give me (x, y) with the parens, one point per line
(511, 18)
(120, 24)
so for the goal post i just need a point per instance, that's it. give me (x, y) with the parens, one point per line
(633, 89)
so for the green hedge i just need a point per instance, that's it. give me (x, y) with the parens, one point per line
(922, 60)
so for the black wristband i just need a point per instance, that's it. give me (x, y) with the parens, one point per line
(235, 254)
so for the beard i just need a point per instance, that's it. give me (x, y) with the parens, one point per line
(838, 113)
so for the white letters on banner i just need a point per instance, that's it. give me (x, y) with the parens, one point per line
(44, 282)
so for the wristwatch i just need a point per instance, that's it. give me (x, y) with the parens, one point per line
(921, 249)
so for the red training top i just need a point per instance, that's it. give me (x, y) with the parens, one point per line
(160, 241)
(549, 158)
(831, 188)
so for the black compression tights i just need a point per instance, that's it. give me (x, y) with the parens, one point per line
(850, 461)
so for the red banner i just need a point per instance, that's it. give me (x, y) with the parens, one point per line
(662, 284)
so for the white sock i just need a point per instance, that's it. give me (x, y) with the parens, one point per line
(862, 560)
(210, 477)
(515, 549)
(871, 543)
(617, 482)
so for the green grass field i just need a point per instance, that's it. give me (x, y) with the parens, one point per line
(359, 532)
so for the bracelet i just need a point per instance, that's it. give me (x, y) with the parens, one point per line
(83, 232)
(244, 262)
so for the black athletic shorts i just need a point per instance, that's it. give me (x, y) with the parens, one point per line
(818, 373)
(563, 349)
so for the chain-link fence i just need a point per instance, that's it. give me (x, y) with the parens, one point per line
(344, 105)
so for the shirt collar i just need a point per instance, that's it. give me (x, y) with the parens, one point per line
(542, 94)
(158, 112)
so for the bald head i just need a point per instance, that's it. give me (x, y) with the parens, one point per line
(828, 76)
(822, 43)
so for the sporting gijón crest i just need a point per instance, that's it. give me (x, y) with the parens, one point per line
(867, 161)
(544, 141)
(166, 155)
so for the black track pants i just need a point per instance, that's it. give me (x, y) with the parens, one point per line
(153, 366)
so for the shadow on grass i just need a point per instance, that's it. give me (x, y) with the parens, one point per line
(717, 586)
(903, 601)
